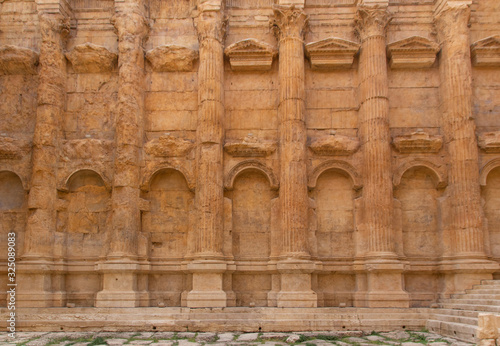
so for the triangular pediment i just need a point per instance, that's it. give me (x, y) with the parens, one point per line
(250, 46)
(488, 42)
(414, 43)
(331, 44)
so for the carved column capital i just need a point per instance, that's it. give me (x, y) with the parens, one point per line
(289, 21)
(51, 23)
(371, 21)
(451, 20)
(130, 23)
(211, 24)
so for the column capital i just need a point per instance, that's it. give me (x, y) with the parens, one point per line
(452, 19)
(53, 23)
(211, 24)
(371, 21)
(289, 21)
(130, 22)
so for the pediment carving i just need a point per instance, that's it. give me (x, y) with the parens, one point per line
(490, 142)
(171, 58)
(250, 146)
(168, 146)
(334, 144)
(17, 60)
(418, 142)
(486, 52)
(331, 53)
(250, 55)
(13, 149)
(412, 52)
(91, 58)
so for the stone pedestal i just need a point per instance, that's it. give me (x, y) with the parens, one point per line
(295, 289)
(207, 284)
(119, 285)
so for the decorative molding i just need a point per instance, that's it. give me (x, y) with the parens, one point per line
(89, 149)
(91, 58)
(63, 185)
(334, 144)
(418, 142)
(250, 147)
(371, 21)
(486, 52)
(490, 142)
(289, 21)
(250, 164)
(441, 179)
(171, 58)
(336, 165)
(211, 24)
(17, 60)
(168, 146)
(13, 149)
(412, 52)
(250, 55)
(487, 168)
(331, 53)
(150, 172)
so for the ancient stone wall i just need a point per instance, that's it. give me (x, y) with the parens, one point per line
(213, 153)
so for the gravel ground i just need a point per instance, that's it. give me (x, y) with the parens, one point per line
(345, 338)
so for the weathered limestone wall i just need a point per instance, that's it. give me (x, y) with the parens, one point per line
(213, 153)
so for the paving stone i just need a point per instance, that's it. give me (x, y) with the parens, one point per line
(293, 338)
(375, 338)
(116, 341)
(164, 335)
(438, 343)
(248, 337)
(145, 335)
(397, 335)
(206, 337)
(186, 335)
(119, 335)
(355, 339)
(269, 336)
(140, 342)
(225, 337)
(188, 343)
(164, 343)
(411, 344)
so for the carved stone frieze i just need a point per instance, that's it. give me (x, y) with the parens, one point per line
(412, 52)
(250, 55)
(334, 144)
(91, 58)
(168, 146)
(490, 142)
(86, 149)
(17, 60)
(250, 147)
(171, 58)
(418, 142)
(486, 52)
(331, 53)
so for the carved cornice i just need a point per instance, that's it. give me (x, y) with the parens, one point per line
(17, 60)
(90, 58)
(334, 144)
(331, 53)
(418, 142)
(168, 146)
(486, 52)
(13, 149)
(250, 147)
(211, 25)
(171, 58)
(371, 21)
(250, 55)
(412, 52)
(289, 21)
(490, 142)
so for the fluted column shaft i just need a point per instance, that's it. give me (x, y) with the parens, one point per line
(290, 24)
(42, 199)
(210, 26)
(131, 28)
(374, 129)
(459, 130)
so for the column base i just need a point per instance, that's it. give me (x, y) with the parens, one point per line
(119, 282)
(295, 289)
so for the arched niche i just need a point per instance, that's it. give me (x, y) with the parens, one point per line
(334, 195)
(418, 190)
(12, 219)
(491, 198)
(251, 197)
(167, 224)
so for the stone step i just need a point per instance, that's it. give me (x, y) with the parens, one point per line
(490, 282)
(469, 307)
(483, 291)
(459, 331)
(487, 286)
(454, 312)
(466, 300)
(476, 296)
(456, 319)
